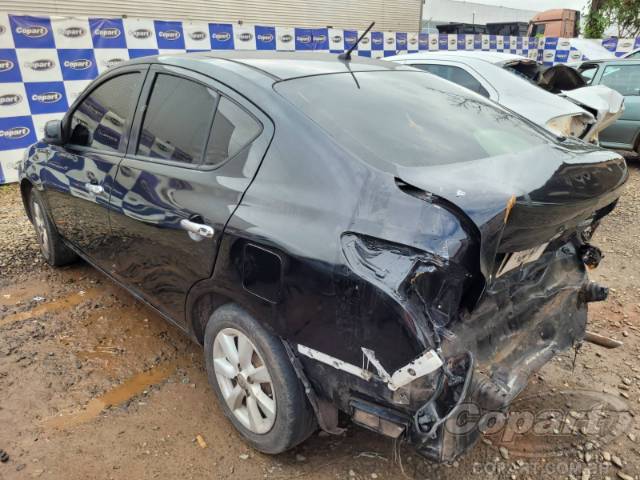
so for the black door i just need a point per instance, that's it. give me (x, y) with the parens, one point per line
(78, 177)
(192, 155)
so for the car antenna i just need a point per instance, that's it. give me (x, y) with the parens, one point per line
(347, 55)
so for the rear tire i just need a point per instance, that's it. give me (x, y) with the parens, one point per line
(53, 249)
(251, 374)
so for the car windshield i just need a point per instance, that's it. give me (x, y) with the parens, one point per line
(409, 118)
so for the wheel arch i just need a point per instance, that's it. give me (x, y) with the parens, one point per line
(200, 307)
(25, 193)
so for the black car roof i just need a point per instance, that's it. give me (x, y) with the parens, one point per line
(277, 65)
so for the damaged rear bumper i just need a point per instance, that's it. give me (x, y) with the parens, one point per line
(523, 319)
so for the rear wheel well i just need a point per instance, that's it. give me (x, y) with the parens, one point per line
(25, 192)
(201, 310)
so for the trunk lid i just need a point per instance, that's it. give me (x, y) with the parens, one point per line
(520, 201)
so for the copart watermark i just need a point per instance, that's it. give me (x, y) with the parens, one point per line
(546, 424)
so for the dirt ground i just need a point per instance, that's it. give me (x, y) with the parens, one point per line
(95, 385)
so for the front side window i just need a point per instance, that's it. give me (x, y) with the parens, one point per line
(100, 121)
(455, 75)
(538, 30)
(177, 120)
(233, 129)
(623, 78)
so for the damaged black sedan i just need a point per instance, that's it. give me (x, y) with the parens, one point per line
(346, 239)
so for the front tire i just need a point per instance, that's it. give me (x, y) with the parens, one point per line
(254, 381)
(53, 249)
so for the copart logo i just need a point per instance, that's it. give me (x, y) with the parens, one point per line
(626, 44)
(15, 133)
(265, 37)
(575, 55)
(366, 40)
(413, 40)
(34, 31)
(169, 34)
(245, 36)
(40, 65)
(10, 99)
(3, 29)
(108, 32)
(112, 62)
(564, 44)
(433, 41)
(336, 39)
(48, 97)
(222, 36)
(141, 33)
(73, 32)
(549, 55)
(199, 35)
(286, 38)
(80, 64)
(114, 120)
(543, 425)
(6, 65)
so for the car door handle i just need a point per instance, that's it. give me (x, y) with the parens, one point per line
(93, 188)
(197, 231)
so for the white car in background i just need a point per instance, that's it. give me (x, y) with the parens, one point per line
(635, 54)
(525, 87)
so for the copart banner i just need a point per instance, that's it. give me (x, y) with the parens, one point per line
(46, 62)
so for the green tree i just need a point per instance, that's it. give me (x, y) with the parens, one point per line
(595, 23)
(624, 15)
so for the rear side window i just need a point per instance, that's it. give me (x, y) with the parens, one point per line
(233, 129)
(623, 78)
(101, 119)
(409, 119)
(177, 120)
(455, 75)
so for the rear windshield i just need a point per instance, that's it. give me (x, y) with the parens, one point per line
(409, 118)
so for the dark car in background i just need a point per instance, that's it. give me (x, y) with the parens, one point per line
(346, 239)
(623, 76)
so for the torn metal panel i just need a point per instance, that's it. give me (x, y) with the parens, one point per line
(335, 362)
(425, 364)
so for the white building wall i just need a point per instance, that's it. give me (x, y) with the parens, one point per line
(391, 15)
(446, 11)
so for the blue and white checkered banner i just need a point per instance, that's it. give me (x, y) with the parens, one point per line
(46, 62)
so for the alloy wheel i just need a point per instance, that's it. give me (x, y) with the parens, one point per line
(244, 380)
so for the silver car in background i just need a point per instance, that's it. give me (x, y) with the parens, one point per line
(525, 87)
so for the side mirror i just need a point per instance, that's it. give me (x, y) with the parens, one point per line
(53, 132)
